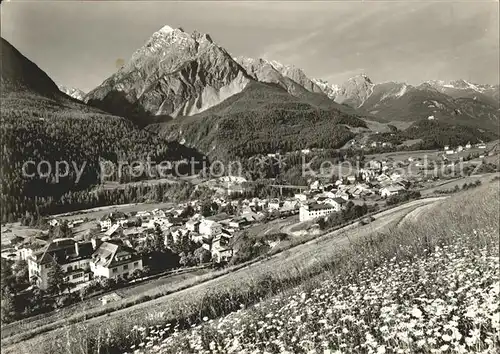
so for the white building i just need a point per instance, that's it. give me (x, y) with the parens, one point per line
(290, 205)
(315, 185)
(210, 227)
(395, 176)
(220, 250)
(53, 222)
(315, 210)
(300, 196)
(337, 203)
(105, 224)
(71, 256)
(113, 259)
(391, 190)
(274, 204)
(193, 225)
(374, 164)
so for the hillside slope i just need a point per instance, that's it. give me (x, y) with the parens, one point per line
(19, 74)
(383, 294)
(40, 123)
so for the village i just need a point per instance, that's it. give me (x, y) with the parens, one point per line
(120, 244)
(111, 249)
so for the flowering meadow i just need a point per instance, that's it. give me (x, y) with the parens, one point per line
(446, 301)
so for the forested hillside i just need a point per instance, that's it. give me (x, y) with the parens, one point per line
(40, 124)
(435, 134)
(83, 140)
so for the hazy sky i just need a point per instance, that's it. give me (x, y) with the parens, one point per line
(78, 43)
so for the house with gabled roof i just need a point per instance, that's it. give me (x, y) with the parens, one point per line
(220, 249)
(390, 190)
(114, 229)
(73, 258)
(113, 259)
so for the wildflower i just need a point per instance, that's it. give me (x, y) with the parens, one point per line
(446, 337)
(444, 347)
(415, 312)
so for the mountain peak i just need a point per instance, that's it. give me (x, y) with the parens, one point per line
(165, 29)
(355, 91)
(331, 90)
(201, 37)
(361, 77)
(175, 73)
(290, 77)
(277, 65)
(73, 92)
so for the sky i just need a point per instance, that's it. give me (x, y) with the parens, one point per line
(78, 44)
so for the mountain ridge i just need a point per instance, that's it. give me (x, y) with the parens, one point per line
(173, 74)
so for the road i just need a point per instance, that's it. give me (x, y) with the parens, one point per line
(303, 254)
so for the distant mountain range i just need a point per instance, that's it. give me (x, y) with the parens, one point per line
(73, 92)
(178, 82)
(182, 95)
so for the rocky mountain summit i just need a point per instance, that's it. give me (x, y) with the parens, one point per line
(355, 91)
(174, 74)
(331, 90)
(269, 72)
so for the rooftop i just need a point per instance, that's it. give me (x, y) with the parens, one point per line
(63, 251)
(316, 206)
(106, 252)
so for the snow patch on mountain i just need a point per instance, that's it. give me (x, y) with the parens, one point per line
(73, 92)
(331, 90)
